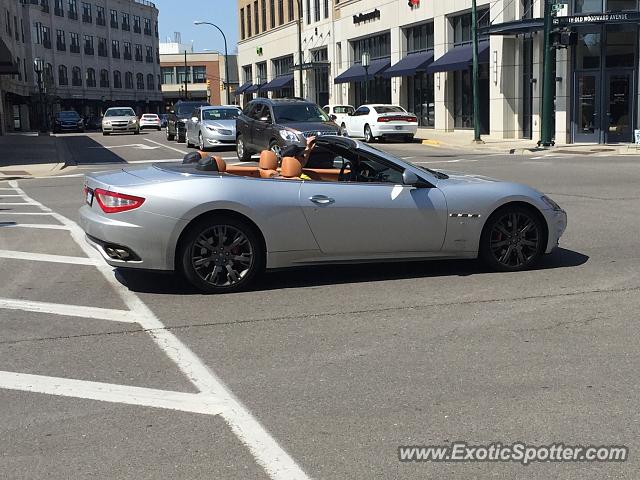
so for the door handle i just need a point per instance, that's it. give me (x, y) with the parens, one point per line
(322, 200)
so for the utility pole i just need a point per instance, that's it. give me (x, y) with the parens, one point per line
(548, 81)
(226, 55)
(186, 77)
(475, 86)
(300, 87)
(366, 62)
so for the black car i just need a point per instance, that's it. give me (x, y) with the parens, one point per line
(94, 123)
(178, 117)
(67, 121)
(275, 123)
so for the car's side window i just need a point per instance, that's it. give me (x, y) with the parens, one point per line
(248, 110)
(362, 111)
(370, 170)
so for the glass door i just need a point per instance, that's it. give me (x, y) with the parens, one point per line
(619, 107)
(586, 124)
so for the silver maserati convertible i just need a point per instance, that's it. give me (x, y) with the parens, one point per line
(220, 225)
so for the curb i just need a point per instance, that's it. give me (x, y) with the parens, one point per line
(22, 172)
(433, 143)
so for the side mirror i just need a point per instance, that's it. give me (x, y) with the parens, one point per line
(333, 117)
(411, 179)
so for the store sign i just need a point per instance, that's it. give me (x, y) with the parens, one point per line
(631, 17)
(365, 17)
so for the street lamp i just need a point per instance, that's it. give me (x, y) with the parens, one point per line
(226, 55)
(38, 67)
(366, 62)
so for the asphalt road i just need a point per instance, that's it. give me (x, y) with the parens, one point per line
(324, 371)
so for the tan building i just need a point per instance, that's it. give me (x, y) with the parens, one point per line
(179, 83)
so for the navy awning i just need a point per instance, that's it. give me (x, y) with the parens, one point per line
(356, 72)
(459, 58)
(242, 88)
(254, 88)
(409, 65)
(278, 83)
(516, 27)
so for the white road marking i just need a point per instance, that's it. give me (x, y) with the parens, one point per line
(7, 189)
(109, 392)
(266, 450)
(25, 213)
(166, 146)
(45, 257)
(138, 146)
(5, 195)
(44, 226)
(14, 204)
(458, 160)
(407, 158)
(95, 313)
(166, 160)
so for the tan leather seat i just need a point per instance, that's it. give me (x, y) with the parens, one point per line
(291, 168)
(222, 165)
(268, 164)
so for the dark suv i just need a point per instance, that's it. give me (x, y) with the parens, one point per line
(274, 123)
(178, 117)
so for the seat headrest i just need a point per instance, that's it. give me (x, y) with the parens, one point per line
(291, 167)
(193, 157)
(209, 164)
(222, 165)
(268, 160)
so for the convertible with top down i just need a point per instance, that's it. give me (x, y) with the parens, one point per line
(220, 225)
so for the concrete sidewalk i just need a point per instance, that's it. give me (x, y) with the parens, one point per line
(28, 154)
(463, 139)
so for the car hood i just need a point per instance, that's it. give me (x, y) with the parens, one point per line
(118, 119)
(226, 124)
(311, 126)
(466, 178)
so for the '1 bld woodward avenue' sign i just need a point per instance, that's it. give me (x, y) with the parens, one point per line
(631, 17)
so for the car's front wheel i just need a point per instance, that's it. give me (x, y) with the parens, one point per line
(169, 135)
(241, 149)
(221, 254)
(512, 239)
(201, 144)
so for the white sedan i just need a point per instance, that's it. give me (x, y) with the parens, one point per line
(376, 121)
(150, 120)
(338, 113)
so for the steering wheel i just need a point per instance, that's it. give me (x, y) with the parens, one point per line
(342, 177)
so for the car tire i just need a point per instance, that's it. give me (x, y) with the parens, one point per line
(188, 142)
(169, 135)
(201, 146)
(408, 139)
(275, 147)
(105, 133)
(159, 128)
(343, 131)
(241, 149)
(506, 245)
(368, 135)
(209, 268)
(136, 132)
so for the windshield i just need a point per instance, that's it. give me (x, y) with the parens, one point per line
(120, 112)
(394, 159)
(69, 115)
(187, 108)
(220, 114)
(343, 109)
(300, 112)
(389, 109)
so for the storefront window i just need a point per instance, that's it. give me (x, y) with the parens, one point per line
(462, 27)
(621, 5)
(421, 98)
(420, 38)
(588, 49)
(587, 6)
(378, 46)
(379, 89)
(621, 46)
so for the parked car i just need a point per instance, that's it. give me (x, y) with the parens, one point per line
(94, 123)
(67, 121)
(212, 127)
(178, 117)
(163, 120)
(150, 120)
(221, 225)
(120, 119)
(275, 123)
(338, 113)
(375, 121)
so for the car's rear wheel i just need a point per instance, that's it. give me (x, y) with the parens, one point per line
(241, 149)
(169, 135)
(189, 144)
(368, 135)
(221, 254)
(201, 145)
(408, 138)
(343, 130)
(512, 239)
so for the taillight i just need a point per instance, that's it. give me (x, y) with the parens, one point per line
(412, 119)
(112, 202)
(383, 119)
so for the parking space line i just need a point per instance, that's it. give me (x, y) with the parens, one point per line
(266, 450)
(45, 257)
(95, 313)
(25, 213)
(166, 146)
(5, 195)
(14, 204)
(44, 226)
(109, 392)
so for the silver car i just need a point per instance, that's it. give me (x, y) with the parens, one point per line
(212, 127)
(221, 225)
(120, 119)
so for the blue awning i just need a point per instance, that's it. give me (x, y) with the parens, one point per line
(460, 58)
(254, 88)
(356, 72)
(409, 65)
(242, 88)
(278, 83)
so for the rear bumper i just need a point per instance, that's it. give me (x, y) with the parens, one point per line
(379, 130)
(149, 125)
